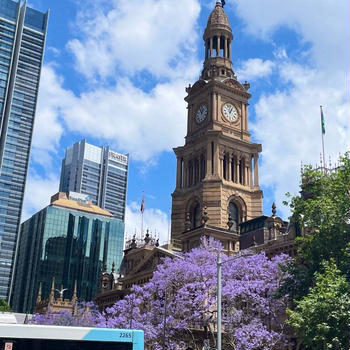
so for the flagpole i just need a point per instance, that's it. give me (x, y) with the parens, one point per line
(141, 225)
(142, 210)
(323, 132)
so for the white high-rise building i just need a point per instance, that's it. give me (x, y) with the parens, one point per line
(98, 172)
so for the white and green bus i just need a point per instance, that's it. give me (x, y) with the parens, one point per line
(38, 337)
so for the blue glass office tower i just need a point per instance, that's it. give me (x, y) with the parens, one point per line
(69, 240)
(98, 172)
(22, 40)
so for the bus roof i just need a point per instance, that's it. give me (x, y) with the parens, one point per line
(70, 333)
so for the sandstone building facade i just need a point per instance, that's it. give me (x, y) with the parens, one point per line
(217, 168)
(217, 191)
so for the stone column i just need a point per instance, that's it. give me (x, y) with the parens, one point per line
(208, 159)
(230, 159)
(216, 159)
(246, 180)
(185, 173)
(256, 171)
(178, 173)
(211, 48)
(249, 176)
(229, 49)
(221, 167)
(246, 117)
(238, 169)
(218, 46)
(225, 49)
(243, 116)
(206, 49)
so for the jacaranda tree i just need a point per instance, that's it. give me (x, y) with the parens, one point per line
(179, 303)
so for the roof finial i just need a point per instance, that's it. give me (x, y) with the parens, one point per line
(113, 267)
(147, 237)
(52, 292)
(273, 209)
(74, 297)
(38, 299)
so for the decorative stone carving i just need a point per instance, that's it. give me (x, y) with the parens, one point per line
(205, 216)
(188, 222)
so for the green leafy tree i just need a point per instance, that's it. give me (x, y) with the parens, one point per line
(319, 277)
(322, 217)
(321, 319)
(4, 307)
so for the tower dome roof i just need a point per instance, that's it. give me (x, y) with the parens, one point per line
(218, 17)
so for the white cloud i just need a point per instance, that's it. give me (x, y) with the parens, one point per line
(153, 219)
(325, 24)
(288, 121)
(157, 36)
(288, 125)
(47, 128)
(254, 68)
(129, 119)
(39, 190)
(142, 124)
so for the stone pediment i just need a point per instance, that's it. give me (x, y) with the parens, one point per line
(151, 261)
(234, 84)
(198, 85)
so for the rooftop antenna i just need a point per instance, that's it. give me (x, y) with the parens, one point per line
(323, 131)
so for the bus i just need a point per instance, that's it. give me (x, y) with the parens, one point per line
(38, 337)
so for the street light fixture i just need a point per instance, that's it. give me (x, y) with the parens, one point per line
(219, 263)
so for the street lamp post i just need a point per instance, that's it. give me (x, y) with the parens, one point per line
(219, 286)
(218, 328)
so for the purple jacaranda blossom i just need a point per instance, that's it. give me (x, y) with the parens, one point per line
(177, 307)
(181, 297)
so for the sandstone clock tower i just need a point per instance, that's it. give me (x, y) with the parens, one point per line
(217, 183)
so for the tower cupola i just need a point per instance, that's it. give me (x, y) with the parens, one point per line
(217, 40)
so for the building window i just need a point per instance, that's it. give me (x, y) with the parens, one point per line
(196, 216)
(233, 210)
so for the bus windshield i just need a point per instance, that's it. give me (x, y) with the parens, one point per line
(49, 344)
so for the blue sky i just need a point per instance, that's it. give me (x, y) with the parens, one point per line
(115, 73)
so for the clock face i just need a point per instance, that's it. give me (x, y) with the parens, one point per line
(201, 113)
(230, 112)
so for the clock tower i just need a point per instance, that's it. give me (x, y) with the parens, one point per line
(217, 184)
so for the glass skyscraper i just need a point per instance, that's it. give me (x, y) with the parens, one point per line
(69, 240)
(22, 41)
(98, 172)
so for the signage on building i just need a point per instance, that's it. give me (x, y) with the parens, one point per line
(118, 157)
(8, 346)
(79, 197)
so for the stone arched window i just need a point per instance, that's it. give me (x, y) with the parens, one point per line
(196, 216)
(234, 214)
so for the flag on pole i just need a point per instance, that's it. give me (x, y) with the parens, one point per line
(143, 204)
(322, 122)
